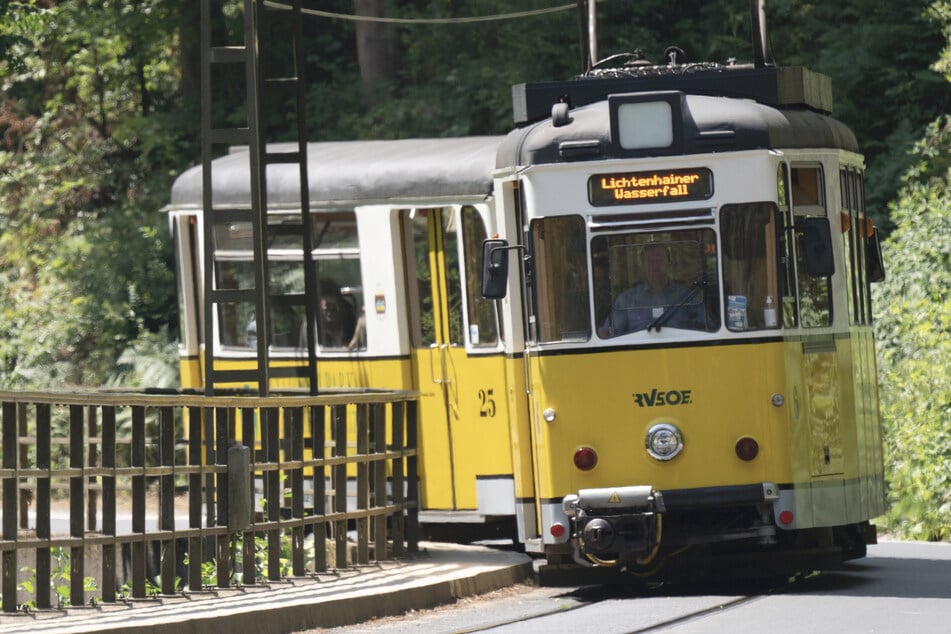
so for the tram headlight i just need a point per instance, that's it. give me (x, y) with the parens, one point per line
(664, 441)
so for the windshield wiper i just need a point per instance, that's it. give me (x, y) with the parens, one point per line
(667, 314)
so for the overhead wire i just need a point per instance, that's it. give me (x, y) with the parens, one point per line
(464, 20)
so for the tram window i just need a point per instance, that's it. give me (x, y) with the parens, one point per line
(481, 312)
(807, 187)
(336, 256)
(340, 312)
(435, 267)
(847, 220)
(237, 326)
(854, 237)
(750, 266)
(234, 269)
(788, 307)
(648, 280)
(815, 293)
(563, 311)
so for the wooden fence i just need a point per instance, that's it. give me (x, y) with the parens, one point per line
(140, 491)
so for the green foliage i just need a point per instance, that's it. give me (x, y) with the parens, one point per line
(209, 569)
(878, 55)
(940, 12)
(91, 140)
(914, 321)
(59, 580)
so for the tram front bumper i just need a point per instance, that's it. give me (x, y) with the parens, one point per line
(615, 526)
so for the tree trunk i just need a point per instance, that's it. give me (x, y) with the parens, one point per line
(377, 51)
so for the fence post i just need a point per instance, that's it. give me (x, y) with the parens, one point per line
(412, 474)
(77, 528)
(239, 487)
(166, 503)
(137, 461)
(109, 504)
(10, 438)
(339, 482)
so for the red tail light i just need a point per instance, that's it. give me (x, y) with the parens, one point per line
(747, 448)
(585, 458)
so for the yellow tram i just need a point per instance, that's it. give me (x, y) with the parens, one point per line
(640, 323)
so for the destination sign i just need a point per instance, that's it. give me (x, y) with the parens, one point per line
(631, 188)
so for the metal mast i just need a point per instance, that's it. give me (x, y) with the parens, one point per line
(258, 89)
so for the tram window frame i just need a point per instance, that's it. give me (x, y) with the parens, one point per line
(482, 316)
(624, 300)
(328, 259)
(789, 303)
(185, 241)
(233, 270)
(234, 263)
(847, 219)
(856, 238)
(564, 264)
(752, 244)
(814, 297)
(866, 239)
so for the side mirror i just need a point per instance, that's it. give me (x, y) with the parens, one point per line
(495, 268)
(817, 241)
(874, 263)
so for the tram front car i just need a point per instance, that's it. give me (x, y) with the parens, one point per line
(688, 260)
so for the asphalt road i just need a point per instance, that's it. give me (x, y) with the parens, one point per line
(900, 587)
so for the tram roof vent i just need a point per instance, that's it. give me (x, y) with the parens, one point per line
(781, 87)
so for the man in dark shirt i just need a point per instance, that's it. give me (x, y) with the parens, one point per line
(639, 306)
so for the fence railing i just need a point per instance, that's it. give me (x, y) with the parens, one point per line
(164, 493)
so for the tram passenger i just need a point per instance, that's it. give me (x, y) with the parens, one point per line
(336, 320)
(647, 300)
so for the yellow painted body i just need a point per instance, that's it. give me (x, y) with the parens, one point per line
(727, 389)
(721, 394)
(464, 426)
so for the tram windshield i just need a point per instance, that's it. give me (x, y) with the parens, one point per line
(651, 281)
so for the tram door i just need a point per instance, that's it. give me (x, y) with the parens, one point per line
(457, 360)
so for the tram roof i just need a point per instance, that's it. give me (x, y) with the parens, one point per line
(429, 170)
(361, 172)
(710, 124)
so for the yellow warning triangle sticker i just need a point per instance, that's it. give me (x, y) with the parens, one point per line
(615, 498)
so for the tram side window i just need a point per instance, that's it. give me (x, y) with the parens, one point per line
(340, 311)
(854, 242)
(482, 313)
(750, 266)
(336, 257)
(562, 306)
(815, 293)
(789, 313)
(234, 269)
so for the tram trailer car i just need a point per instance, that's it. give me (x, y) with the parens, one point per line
(640, 323)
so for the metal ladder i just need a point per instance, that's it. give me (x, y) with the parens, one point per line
(260, 155)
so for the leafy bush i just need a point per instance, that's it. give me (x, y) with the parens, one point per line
(914, 322)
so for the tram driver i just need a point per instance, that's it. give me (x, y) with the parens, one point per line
(645, 304)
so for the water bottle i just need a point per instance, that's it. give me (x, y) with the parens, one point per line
(769, 313)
